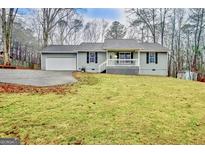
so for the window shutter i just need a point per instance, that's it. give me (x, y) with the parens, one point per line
(87, 57)
(147, 57)
(117, 55)
(156, 57)
(131, 55)
(96, 57)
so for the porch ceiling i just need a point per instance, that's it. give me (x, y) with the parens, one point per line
(116, 50)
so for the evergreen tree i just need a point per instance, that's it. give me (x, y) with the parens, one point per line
(116, 31)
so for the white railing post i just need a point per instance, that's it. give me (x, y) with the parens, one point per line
(102, 66)
(122, 62)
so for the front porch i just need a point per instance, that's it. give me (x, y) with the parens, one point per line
(121, 62)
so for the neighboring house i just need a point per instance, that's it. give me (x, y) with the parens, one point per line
(117, 56)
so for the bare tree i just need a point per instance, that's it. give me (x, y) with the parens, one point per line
(172, 61)
(163, 14)
(147, 17)
(104, 28)
(197, 21)
(7, 18)
(91, 32)
(50, 18)
(69, 27)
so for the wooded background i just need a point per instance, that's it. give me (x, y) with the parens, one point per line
(180, 30)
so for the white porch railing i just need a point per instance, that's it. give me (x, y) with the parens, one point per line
(102, 66)
(117, 62)
(122, 62)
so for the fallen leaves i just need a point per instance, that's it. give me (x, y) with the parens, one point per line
(14, 88)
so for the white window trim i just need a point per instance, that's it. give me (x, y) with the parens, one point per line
(93, 57)
(152, 62)
(125, 52)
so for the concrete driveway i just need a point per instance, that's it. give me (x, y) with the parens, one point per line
(36, 77)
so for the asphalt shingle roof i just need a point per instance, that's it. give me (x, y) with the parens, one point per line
(60, 49)
(90, 46)
(121, 44)
(114, 44)
(132, 44)
(154, 47)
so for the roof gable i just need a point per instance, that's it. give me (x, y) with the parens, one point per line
(121, 44)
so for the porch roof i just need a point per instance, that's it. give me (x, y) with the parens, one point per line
(128, 44)
(87, 46)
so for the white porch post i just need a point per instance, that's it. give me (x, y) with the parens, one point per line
(139, 61)
(107, 57)
(138, 58)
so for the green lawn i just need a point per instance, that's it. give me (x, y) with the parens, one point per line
(109, 109)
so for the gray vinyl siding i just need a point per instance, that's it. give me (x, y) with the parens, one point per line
(54, 55)
(90, 67)
(161, 68)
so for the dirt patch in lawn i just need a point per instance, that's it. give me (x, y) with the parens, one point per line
(85, 78)
(15, 88)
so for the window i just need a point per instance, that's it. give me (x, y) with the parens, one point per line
(125, 55)
(92, 57)
(124, 58)
(152, 57)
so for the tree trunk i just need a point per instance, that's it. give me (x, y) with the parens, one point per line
(7, 26)
(45, 39)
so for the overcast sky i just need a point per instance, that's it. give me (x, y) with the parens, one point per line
(105, 13)
(110, 14)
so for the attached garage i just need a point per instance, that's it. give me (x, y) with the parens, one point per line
(61, 63)
(60, 58)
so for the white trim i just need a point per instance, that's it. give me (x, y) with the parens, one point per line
(77, 61)
(138, 57)
(124, 52)
(135, 60)
(94, 56)
(152, 57)
(90, 50)
(121, 52)
(139, 60)
(102, 66)
(42, 63)
(106, 54)
(154, 50)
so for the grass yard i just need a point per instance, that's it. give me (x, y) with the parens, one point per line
(108, 109)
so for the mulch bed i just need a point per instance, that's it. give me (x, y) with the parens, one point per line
(14, 88)
(7, 67)
(201, 77)
(13, 67)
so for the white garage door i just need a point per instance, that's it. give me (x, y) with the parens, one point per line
(60, 63)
